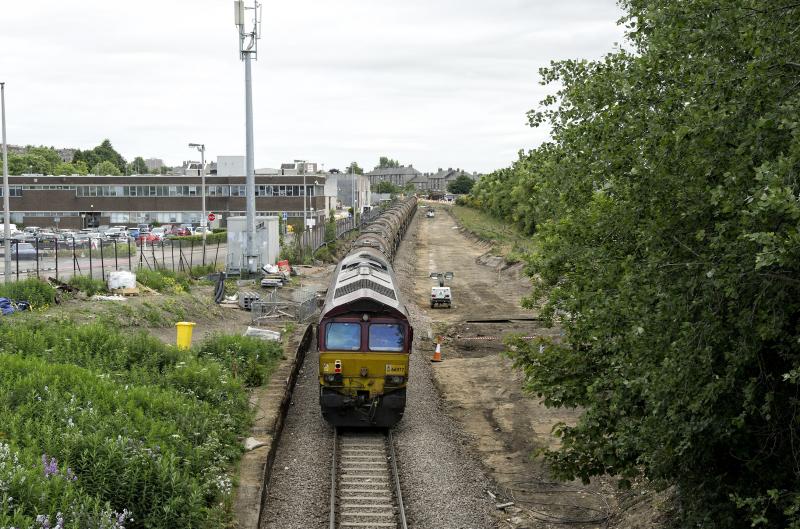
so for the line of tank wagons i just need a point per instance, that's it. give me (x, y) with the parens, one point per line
(364, 335)
(386, 232)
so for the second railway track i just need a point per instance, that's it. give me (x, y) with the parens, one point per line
(365, 487)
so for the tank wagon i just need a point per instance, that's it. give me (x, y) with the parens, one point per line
(364, 336)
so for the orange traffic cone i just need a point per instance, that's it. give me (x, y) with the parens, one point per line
(437, 355)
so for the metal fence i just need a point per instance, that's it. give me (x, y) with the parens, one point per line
(274, 306)
(314, 238)
(95, 257)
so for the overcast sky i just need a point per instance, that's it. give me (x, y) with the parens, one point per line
(435, 83)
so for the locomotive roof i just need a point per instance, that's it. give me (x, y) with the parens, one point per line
(364, 281)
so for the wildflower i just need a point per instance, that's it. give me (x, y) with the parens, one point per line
(70, 475)
(50, 468)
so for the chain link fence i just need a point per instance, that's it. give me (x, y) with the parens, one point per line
(94, 257)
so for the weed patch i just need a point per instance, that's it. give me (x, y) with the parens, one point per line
(124, 422)
(38, 293)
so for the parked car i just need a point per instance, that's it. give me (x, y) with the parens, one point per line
(159, 232)
(143, 227)
(179, 231)
(23, 251)
(133, 233)
(199, 230)
(147, 238)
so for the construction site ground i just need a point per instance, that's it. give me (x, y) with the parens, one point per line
(482, 390)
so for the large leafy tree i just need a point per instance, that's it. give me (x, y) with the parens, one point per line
(353, 168)
(384, 186)
(106, 168)
(461, 185)
(384, 162)
(104, 152)
(137, 166)
(667, 215)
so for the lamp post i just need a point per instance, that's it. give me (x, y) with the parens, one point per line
(6, 192)
(203, 219)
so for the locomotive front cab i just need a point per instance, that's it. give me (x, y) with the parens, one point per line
(363, 368)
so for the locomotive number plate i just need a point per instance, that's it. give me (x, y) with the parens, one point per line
(395, 370)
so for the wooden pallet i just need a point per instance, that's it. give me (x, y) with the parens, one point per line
(126, 291)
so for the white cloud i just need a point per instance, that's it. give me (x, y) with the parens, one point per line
(433, 83)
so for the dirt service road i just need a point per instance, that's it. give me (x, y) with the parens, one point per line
(482, 390)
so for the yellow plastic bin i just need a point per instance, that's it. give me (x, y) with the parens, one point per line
(184, 334)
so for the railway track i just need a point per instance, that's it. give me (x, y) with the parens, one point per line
(365, 487)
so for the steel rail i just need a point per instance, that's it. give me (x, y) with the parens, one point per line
(370, 471)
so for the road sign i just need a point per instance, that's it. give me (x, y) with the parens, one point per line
(211, 217)
(285, 215)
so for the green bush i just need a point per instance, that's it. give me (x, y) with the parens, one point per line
(87, 284)
(163, 280)
(248, 358)
(36, 292)
(216, 236)
(141, 425)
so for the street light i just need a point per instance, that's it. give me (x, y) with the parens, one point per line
(6, 192)
(202, 148)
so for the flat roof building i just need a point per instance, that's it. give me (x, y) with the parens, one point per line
(77, 202)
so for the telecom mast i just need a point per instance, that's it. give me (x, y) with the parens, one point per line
(248, 49)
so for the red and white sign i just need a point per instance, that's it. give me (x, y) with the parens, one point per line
(211, 217)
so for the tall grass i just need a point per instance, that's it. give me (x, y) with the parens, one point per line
(38, 293)
(163, 280)
(141, 425)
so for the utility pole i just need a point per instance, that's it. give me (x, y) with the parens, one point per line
(6, 191)
(248, 50)
(203, 220)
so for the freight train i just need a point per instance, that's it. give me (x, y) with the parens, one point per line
(364, 335)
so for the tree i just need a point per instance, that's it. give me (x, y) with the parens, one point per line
(461, 185)
(103, 152)
(71, 168)
(353, 168)
(385, 162)
(106, 168)
(666, 219)
(28, 163)
(384, 186)
(137, 166)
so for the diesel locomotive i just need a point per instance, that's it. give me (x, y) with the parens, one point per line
(364, 335)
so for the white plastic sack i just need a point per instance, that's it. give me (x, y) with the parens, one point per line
(263, 334)
(121, 279)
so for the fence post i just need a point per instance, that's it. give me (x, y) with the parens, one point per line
(172, 252)
(56, 259)
(17, 259)
(163, 261)
(142, 248)
(116, 261)
(102, 262)
(91, 272)
(37, 257)
(153, 254)
(191, 256)
(131, 246)
(180, 254)
(216, 255)
(74, 258)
